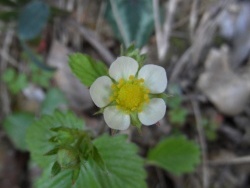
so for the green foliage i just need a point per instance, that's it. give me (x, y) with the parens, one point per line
(40, 76)
(174, 101)
(32, 19)
(177, 113)
(178, 116)
(39, 135)
(15, 125)
(210, 128)
(15, 81)
(54, 99)
(124, 168)
(86, 69)
(176, 155)
(7, 16)
(136, 18)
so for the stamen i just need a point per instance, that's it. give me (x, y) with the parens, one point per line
(130, 95)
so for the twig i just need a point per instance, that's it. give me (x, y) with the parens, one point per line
(193, 18)
(5, 101)
(119, 23)
(9, 59)
(205, 172)
(233, 161)
(100, 15)
(179, 65)
(93, 40)
(162, 35)
(162, 179)
(158, 29)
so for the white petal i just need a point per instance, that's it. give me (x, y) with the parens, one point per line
(100, 91)
(123, 67)
(155, 78)
(153, 112)
(115, 119)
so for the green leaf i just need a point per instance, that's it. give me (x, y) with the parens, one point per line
(174, 102)
(86, 69)
(55, 169)
(176, 155)
(39, 133)
(124, 168)
(98, 158)
(32, 19)
(136, 17)
(39, 76)
(9, 75)
(54, 99)
(15, 125)
(178, 115)
(15, 82)
(75, 174)
(7, 16)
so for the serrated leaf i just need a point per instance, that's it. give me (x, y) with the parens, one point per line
(136, 17)
(176, 155)
(124, 168)
(32, 19)
(98, 158)
(39, 134)
(15, 125)
(54, 99)
(86, 69)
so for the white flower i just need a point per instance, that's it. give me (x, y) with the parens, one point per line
(130, 90)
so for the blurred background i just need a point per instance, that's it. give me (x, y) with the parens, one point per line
(204, 45)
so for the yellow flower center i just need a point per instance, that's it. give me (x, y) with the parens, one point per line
(130, 95)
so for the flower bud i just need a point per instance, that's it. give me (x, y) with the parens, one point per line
(67, 158)
(65, 137)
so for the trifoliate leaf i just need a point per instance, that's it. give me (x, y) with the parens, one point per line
(124, 168)
(135, 18)
(54, 99)
(176, 155)
(15, 125)
(86, 69)
(39, 134)
(32, 19)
